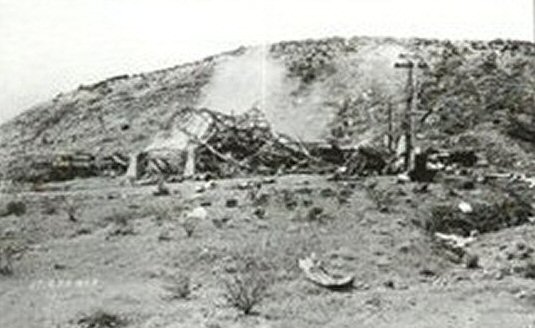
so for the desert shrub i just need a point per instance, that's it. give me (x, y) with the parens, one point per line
(121, 224)
(439, 213)
(162, 214)
(179, 286)
(14, 207)
(244, 292)
(529, 270)
(471, 261)
(314, 213)
(71, 208)
(343, 196)
(167, 212)
(220, 222)
(189, 225)
(253, 194)
(6, 260)
(382, 198)
(317, 214)
(101, 319)
(260, 199)
(49, 207)
(259, 212)
(9, 248)
(119, 218)
(248, 286)
(289, 199)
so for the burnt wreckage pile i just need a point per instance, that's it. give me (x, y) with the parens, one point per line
(246, 144)
(214, 144)
(207, 142)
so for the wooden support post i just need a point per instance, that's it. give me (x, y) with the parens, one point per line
(189, 168)
(411, 103)
(390, 141)
(406, 124)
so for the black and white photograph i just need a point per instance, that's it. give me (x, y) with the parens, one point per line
(267, 164)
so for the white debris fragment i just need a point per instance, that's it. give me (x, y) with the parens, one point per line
(210, 185)
(456, 241)
(198, 213)
(465, 208)
(531, 182)
(403, 178)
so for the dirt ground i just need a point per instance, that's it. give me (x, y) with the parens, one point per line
(123, 243)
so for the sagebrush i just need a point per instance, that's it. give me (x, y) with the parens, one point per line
(179, 286)
(247, 287)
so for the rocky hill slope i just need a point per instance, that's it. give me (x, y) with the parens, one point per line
(312, 89)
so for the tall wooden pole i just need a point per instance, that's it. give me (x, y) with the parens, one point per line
(410, 62)
(390, 143)
(406, 125)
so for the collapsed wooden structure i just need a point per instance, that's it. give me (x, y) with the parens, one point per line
(246, 144)
(220, 145)
(206, 142)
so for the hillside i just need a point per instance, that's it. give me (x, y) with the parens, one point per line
(310, 89)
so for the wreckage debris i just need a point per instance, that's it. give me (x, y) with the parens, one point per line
(512, 177)
(458, 247)
(366, 160)
(114, 164)
(457, 241)
(421, 171)
(466, 208)
(216, 145)
(204, 144)
(428, 163)
(315, 272)
(403, 178)
(245, 144)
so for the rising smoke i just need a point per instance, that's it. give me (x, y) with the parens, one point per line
(256, 79)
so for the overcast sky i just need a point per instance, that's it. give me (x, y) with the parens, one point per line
(50, 46)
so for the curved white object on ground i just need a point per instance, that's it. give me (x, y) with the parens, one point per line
(317, 274)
